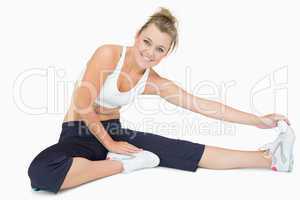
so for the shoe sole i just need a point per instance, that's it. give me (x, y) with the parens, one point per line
(291, 155)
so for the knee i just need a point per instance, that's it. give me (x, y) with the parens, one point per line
(47, 171)
(37, 171)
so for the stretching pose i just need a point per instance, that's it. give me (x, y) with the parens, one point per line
(93, 143)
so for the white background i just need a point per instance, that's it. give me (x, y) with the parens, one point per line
(252, 44)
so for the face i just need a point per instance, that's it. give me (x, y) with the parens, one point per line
(151, 46)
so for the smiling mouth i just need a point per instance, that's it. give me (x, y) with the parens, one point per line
(146, 58)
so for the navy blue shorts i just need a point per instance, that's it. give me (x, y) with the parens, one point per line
(49, 168)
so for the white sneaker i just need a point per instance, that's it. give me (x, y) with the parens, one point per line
(135, 161)
(281, 150)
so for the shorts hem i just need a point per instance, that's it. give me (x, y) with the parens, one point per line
(195, 163)
(62, 178)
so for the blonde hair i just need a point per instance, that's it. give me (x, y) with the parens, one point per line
(166, 23)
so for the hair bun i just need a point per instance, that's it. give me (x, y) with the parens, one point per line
(164, 12)
(166, 23)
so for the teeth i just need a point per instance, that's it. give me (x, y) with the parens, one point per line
(147, 59)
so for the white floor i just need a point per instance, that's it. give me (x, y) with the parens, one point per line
(158, 183)
(162, 183)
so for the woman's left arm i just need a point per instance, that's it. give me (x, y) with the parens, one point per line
(174, 94)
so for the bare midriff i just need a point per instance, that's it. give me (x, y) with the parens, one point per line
(103, 113)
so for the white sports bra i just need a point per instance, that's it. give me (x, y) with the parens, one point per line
(110, 96)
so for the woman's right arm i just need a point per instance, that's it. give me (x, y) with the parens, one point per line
(97, 69)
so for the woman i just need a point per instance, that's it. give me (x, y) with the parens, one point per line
(93, 144)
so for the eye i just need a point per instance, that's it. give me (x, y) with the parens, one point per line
(147, 42)
(161, 50)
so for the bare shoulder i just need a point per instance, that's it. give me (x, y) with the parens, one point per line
(105, 56)
(101, 64)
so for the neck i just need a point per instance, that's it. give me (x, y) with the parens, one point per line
(133, 67)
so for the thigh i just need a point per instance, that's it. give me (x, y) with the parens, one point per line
(49, 168)
(77, 141)
(85, 147)
(173, 153)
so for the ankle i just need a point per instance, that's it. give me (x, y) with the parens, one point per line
(268, 158)
(118, 164)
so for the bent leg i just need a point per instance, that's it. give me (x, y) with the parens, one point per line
(84, 170)
(70, 163)
(221, 158)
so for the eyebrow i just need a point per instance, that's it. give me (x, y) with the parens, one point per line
(159, 45)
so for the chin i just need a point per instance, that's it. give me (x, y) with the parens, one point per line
(143, 64)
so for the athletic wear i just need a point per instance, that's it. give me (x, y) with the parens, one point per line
(110, 96)
(49, 168)
(281, 150)
(135, 161)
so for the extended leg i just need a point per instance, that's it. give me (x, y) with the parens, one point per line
(221, 158)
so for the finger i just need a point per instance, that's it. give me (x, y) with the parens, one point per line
(285, 119)
(127, 145)
(129, 152)
(129, 148)
(125, 151)
(279, 117)
(132, 150)
(132, 146)
(267, 121)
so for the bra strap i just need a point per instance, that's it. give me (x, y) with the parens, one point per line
(121, 61)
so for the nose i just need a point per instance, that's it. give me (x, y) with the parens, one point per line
(150, 53)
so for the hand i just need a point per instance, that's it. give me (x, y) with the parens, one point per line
(122, 147)
(270, 120)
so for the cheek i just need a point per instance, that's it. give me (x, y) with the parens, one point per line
(137, 52)
(159, 57)
(140, 44)
(138, 49)
(137, 55)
